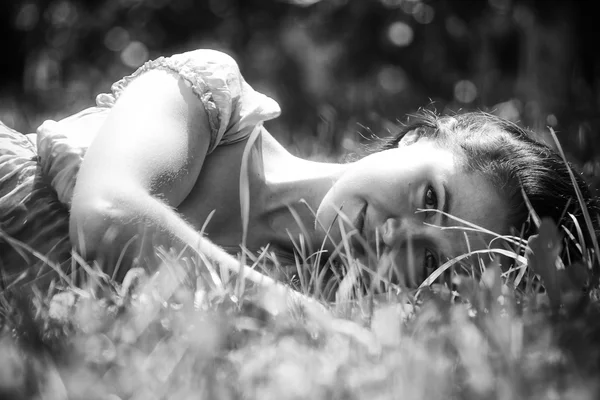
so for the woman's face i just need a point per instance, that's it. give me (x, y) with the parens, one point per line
(382, 193)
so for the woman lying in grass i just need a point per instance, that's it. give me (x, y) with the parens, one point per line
(180, 157)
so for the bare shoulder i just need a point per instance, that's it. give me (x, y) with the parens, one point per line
(155, 138)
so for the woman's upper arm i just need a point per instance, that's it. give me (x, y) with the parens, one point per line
(155, 138)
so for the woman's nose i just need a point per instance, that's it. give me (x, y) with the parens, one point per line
(396, 231)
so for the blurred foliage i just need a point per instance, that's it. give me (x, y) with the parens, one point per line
(341, 69)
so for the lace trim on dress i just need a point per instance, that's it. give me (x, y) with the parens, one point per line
(232, 106)
(195, 80)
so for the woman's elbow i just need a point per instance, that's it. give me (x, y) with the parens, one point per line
(96, 226)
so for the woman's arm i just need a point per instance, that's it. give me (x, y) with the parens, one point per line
(142, 164)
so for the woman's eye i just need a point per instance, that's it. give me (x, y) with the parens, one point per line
(430, 262)
(431, 201)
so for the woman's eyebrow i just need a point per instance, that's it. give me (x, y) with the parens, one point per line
(446, 206)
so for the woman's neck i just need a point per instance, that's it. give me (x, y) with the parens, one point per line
(296, 188)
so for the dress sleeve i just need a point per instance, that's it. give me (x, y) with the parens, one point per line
(233, 107)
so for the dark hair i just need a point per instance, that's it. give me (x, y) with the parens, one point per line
(514, 163)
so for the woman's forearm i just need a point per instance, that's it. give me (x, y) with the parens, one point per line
(105, 233)
(131, 229)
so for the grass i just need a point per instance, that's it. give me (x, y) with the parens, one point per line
(472, 330)
(157, 336)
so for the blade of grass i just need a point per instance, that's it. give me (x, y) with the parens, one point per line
(121, 256)
(301, 225)
(586, 215)
(581, 244)
(440, 270)
(18, 244)
(470, 225)
(245, 202)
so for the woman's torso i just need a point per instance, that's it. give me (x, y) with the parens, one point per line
(234, 109)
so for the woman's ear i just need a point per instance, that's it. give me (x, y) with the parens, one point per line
(410, 137)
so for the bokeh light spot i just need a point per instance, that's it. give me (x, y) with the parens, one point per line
(303, 3)
(456, 27)
(510, 110)
(116, 39)
(392, 79)
(400, 34)
(135, 54)
(62, 13)
(423, 13)
(465, 91)
(551, 120)
(46, 71)
(27, 17)
(409, 6)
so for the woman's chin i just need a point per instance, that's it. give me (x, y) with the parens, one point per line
(336, 228)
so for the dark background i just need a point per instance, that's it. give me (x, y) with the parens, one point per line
(340, 69)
